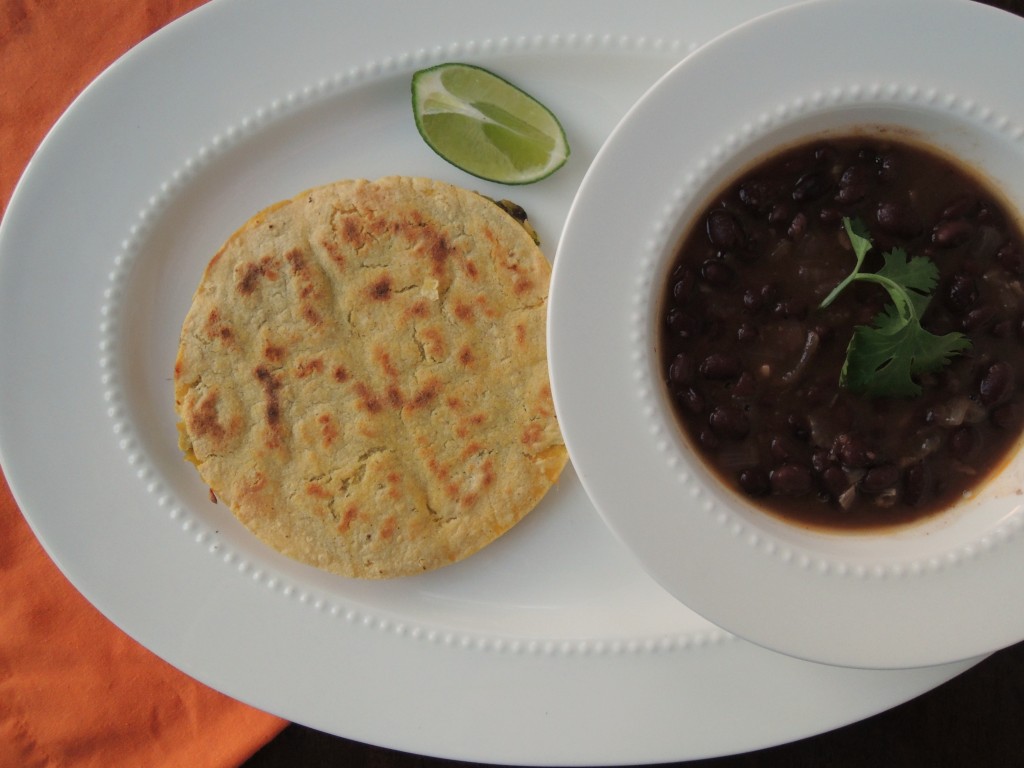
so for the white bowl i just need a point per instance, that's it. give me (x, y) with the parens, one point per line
(942, 590)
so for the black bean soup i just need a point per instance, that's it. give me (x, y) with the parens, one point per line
(752, 365)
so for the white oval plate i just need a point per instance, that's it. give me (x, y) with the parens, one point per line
(551, 646)
(938, 592)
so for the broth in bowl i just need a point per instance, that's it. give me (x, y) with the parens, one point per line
(759, 372)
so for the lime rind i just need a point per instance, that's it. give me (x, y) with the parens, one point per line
(484, 125)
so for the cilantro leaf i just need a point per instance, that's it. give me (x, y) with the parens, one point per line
(883, 359)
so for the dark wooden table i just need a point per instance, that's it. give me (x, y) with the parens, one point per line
(976, 719)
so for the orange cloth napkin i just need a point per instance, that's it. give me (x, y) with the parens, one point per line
(74, 690)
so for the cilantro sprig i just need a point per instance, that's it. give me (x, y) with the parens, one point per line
(882, 359)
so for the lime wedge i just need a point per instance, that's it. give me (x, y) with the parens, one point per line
(486, 126)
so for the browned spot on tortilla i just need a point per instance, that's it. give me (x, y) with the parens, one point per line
(467, 425)
(340, 374)
(334, 252)
(383, 360)
(486, 308)
(388, 527)
(394, 489)
(250, 277)
(351, 232)
(297, 261)
(532, 434)
(417, 309)
(463, 311)
(271, 386)
(395, 399)
(439, 250)
(368, 401)
(380, 289)
(202, 419)
(545, 406)
(307, 368)
(215, 327)
(520, 334)
(350, 514)
(328, 429)
(311, 315)
(252, 273)
(472, 271)
(433, 343)
(471, 449)
(487, 469)
(426, 394)
(522, 285)
(273, 353)
(466, 355)
(317, 491)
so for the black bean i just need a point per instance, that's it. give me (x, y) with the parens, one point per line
(755, 481)
(820, 460)
(757, 194)
(978, 318)
(683, 287)
(752, 300)
(729, 421)
(963, 442)
(791, 480)
(853, 185)
(1006, 416)
(825, 153)
(1001, 329)
(799, 426)
(745, 387)
(747, 332)
(811, 186)
(790, 309)
(986, 214)
(780, 213)
(830, 215)
(915, 485)
(834, 481)
(888, 168)
(996, 383)
(961, 293)
(682, 369)
(1009, 258)
(719, 365)
(798, 226)
(880, 478)
(724, 230)
(951, 233)
(961, 207)
(685, 324)
(782, 448)
(853, 450)
(899, 219)
(716, 273)
(694, 401)
(709, 439)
